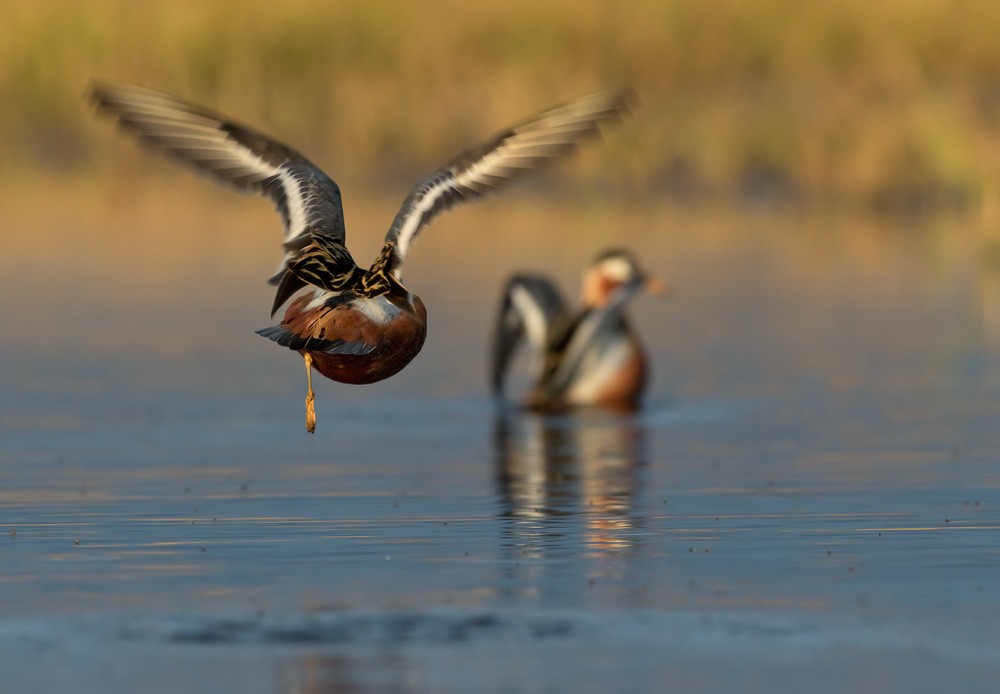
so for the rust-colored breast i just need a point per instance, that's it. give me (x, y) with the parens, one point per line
(396, 334)
(615, 382)
(623, 389)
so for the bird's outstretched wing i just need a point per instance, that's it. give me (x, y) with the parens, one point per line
(581, 336)
(484, 168)
(529, 307)
(307, 199)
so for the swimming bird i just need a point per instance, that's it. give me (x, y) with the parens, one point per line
(351, 324)
(588, 357)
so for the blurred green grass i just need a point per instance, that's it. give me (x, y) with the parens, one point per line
(891, 105)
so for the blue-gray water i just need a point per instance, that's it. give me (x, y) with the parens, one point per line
(811, 498)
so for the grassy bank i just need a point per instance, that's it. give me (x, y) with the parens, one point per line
(887, 105)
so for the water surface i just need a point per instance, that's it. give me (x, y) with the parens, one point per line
(812, 494)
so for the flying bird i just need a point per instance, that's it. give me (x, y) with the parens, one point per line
(350, 323)
(589, 357)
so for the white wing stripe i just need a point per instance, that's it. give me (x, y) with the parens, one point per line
(415, 219)
(535, 325)
(532, 314)
(297, 207)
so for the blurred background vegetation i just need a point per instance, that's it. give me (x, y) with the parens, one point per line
(870, 105)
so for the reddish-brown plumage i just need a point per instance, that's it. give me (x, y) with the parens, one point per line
(396, 341)
(619, 390)
(623, 390)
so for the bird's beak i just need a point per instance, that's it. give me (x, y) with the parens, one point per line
(654, 285)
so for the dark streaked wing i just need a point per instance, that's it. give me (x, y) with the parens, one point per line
(521, 148)
(306, 198)
(528, 308)
(286, 338)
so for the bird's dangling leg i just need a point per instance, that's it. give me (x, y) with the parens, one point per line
(310, 398)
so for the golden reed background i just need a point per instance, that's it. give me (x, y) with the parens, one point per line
(882, 105)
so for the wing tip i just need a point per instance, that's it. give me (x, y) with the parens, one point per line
(105, 94)
(626, 98)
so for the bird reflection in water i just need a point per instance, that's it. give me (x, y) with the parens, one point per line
(328, 673)
(569, 478)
